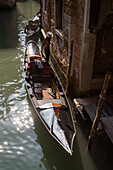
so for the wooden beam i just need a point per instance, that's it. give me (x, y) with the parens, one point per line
(99, 107)
(43, 33)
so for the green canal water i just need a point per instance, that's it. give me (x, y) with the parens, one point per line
(24, 142)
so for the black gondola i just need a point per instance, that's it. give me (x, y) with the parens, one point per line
(33, 25)
(48, 98)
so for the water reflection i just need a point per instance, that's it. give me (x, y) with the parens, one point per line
(8, 22)
(18, 146)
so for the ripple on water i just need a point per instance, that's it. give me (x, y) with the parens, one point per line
(18, 146)
(18, 142)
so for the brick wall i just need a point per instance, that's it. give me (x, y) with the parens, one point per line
(70, 7)
(78, 39)
(72, 30)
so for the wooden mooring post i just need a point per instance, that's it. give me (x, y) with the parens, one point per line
(99, 107)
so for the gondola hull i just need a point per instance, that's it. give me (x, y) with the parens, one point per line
(30, 31)
(47, 97)
(33, 26)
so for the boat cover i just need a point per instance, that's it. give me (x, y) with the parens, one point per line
(48, 113)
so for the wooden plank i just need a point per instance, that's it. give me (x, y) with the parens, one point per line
(104, 111)
(55, 101)
(108, 108)
(86, 101)
(43, 33)
(78, 106)
(91, 112)
(107, 123)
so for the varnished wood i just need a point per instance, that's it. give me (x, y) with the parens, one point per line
(99, 107)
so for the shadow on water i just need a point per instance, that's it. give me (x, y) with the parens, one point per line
(54, 154)
(101, 151)
(8, 21)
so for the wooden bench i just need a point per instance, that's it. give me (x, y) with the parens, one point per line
(55, 101)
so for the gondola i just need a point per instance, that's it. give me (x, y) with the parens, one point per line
(48, 98)
(33, 25)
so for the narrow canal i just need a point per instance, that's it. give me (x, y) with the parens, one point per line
(24, 142)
